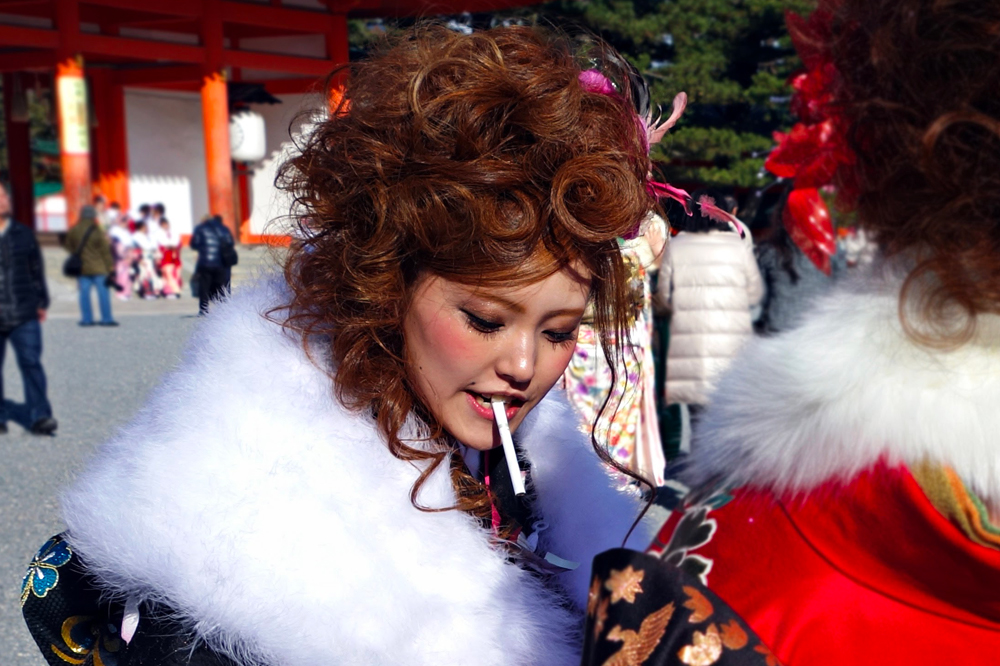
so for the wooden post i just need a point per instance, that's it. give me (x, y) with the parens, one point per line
(22, 188)
(118, 145)
(218, 166)
(110, 144)
(74, 136)
(243, 199)
(215, 119)
(337, 50)
(71, 101)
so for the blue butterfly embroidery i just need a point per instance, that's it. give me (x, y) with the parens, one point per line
(43, 572)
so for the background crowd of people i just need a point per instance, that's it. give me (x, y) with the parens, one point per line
(140, 255)
(146, 251)
(703, 287)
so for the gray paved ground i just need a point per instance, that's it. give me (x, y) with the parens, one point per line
(98, 378)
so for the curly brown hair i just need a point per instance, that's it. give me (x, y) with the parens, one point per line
(474, 157)
(919, 96)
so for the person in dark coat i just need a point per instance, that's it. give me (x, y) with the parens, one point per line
(89, 240)
(793, 283)
(24, 298)
(215, 246)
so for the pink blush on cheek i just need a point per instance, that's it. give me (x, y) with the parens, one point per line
(453, 338)
(564, 358)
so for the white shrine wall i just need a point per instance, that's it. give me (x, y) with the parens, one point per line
(166, 155)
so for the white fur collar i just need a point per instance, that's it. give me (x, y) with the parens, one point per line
(279, 526)
(831, 398)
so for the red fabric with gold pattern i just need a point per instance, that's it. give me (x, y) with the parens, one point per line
(863, 573)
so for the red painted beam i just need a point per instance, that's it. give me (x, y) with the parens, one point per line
(164, 23)
(274, 62)
(10, 4)
(169, 7)
(238, 31)
(374, 8)
(283, 18)
(15, 35)
(298, 86)
(67, 15)
(147, 75)
(26, 60)
(140, 49)
(179, 86)
(114, 15)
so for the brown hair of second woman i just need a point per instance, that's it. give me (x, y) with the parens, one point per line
(919, 96)
(475, 157)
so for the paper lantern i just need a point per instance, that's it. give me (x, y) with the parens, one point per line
(247, 141)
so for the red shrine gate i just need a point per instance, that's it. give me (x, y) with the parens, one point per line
(94, 49)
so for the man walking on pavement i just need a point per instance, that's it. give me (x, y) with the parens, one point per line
(216, 250)
(24, 298)
(87, 239)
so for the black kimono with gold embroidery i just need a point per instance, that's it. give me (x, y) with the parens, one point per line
(642, 610)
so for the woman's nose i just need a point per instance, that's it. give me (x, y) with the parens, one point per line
(516, 361)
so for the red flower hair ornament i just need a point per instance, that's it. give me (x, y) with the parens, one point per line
(815, 149)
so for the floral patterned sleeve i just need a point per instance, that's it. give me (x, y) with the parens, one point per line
(643, 611)
(74, 624)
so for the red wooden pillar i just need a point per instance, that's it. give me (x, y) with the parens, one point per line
(110, 138)
(71, 101)
(337, 50)
(215, 118)
(74, 136)
(22, 187)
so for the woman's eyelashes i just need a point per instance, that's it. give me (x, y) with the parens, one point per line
(488, 327)
(562, 337)
(484, 326)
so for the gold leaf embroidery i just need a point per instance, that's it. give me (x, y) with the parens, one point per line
(593, 596)
(705, 649)
(624, 584)
(638, 646)
(601, 617)
(700, 607)
(733, 636)
(769, 657)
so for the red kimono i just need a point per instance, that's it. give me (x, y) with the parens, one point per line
(864, 573)
(868, 469)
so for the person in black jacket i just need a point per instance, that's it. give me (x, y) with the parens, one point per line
(215, 246)
(24, 298)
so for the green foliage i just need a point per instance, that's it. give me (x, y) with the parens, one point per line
(44, 136)
(363, 33)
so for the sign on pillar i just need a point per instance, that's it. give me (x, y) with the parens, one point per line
(74, 136)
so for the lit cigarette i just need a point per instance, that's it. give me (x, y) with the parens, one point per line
(500, 412)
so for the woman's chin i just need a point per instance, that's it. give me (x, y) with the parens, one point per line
(479, 433)
(478, 440)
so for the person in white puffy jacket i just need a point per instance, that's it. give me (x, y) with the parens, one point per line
(710, 280)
